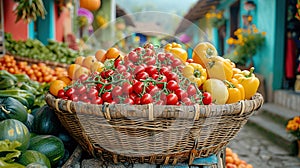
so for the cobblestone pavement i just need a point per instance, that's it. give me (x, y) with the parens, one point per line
(253, 147)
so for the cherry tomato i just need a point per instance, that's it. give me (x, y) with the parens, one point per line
(112, 102)
(150, 60)
(83, 77)
(93, 92)
(176, 62)
(132, 95)
(127, 88)
(115, 100)
(133, 57)
(74, 98)
(181, 94)
(117, 62)
(172, 99)
(169, 55)
(187, 101)
(81, 90)
(121, 68)
(108, 87)
(154, 76)
(65, 98)
(139, 69)
(172, 85)
(61, 93)
(172, 76)
(206, 98)
(126, 75)
(149, 45)
(146, 99)
(117, 91)
(190, 60)
(87, 101)
(109, 73)
(142, 75)
(97, 100)
(191, 90)
(151, 69)
(161, 56)
(106, 97)
(83, 97)
(128, 101)
(137, 100)
(148, 52)
(163, 97)
(139, 50)
(129, 64)
(163, 70)
(153, 90)
(138, 87)
(160, 102)
(162, 79)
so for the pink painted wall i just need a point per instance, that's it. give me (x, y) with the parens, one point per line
(59, 20)
(18, 30)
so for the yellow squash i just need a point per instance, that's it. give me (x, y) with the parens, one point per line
(202, 52)
(217, 89)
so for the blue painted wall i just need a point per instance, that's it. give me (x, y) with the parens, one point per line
(268, 16)
(46, 27)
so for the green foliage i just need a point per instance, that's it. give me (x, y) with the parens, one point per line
(246, 45)
(8, 151)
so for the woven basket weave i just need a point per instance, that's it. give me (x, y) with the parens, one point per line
(153, 134)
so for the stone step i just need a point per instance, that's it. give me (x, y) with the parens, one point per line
(274, 131)
(288, 99)
(278, 113)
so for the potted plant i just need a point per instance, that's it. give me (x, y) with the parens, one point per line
(245, 45)
(216, 18)
(293, 127)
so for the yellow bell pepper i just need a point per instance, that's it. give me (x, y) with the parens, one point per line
(195, 73)
(235, 90)
(219, 68)
(177, 51)
(249, 81)
(172, 45)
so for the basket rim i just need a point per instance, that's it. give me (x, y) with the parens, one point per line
(200, 110)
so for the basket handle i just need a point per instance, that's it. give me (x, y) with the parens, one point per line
(105, 111)
(150, 115)
(197, 112)
(243, 107)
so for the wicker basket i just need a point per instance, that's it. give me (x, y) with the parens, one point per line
(153, 134)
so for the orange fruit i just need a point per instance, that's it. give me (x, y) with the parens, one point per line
(97, 67)
(79, 60)
(55, 86)
(80, 71)
(112, 53)
(66, 79)
(88, 61)
(72, 69)
(100, 55)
